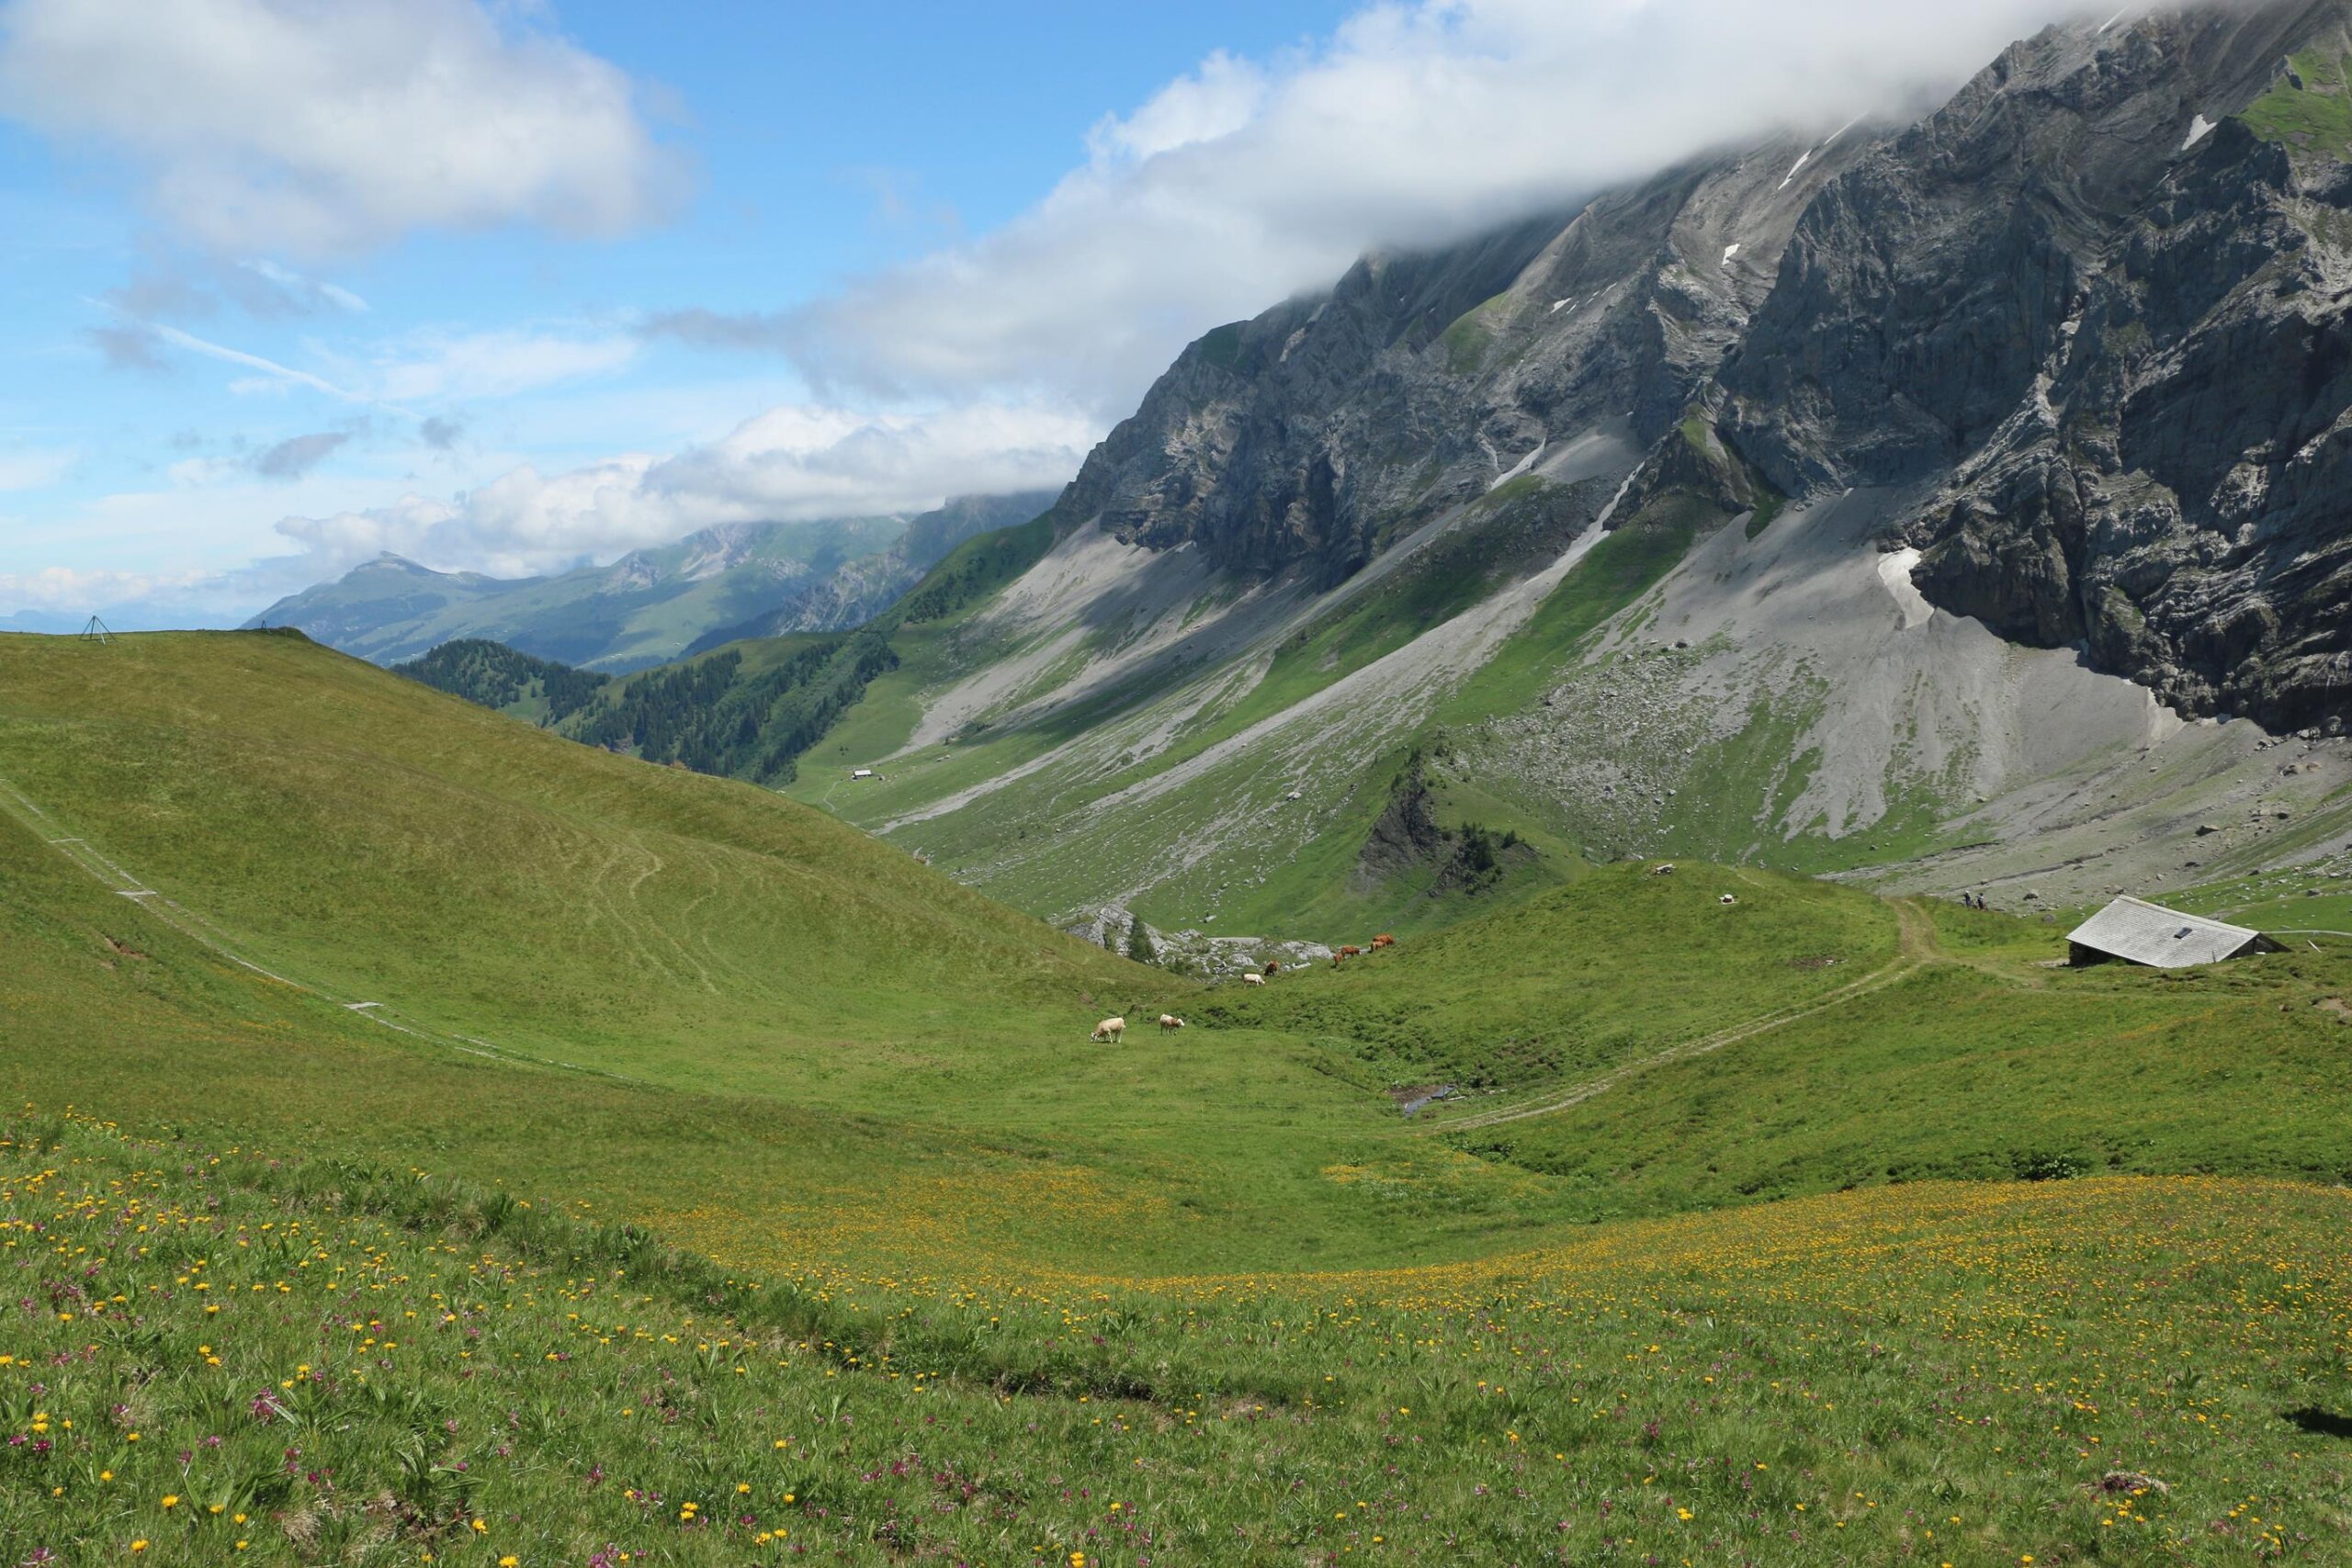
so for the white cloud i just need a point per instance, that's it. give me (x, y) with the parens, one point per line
(273, 373)
(58, 588)
(326, 127)
(1243, 183)
(493, 365)
(300, 288)
(789, 463)
(433, 366)
(34, 469)
(1219, 98)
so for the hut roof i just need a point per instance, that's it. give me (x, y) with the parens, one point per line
(2143, 932)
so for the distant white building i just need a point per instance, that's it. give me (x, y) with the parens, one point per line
(2136, 931)
(861, 772)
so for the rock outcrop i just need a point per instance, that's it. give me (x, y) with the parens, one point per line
(2097, 305)
(1314, 434)
(2087, 324)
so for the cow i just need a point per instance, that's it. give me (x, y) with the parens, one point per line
(1351, 950)
(1111, 1028)
(1168, 1021)
(1273, 965)
(1383, 940)
(1253, 978)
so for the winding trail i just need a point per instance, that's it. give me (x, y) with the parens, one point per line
(1916, 948)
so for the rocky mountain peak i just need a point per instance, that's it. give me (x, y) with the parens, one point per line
(2085, 321)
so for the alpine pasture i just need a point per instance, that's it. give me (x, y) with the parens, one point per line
(433, 1140)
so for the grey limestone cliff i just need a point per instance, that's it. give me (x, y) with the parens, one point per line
(2085, 324)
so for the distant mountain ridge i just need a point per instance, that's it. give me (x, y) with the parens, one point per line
(650, 606)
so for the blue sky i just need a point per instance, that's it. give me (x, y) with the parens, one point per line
(506, 286)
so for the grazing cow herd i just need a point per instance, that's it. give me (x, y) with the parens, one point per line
(1111, 1030)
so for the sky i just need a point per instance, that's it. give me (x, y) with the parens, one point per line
(506, 286)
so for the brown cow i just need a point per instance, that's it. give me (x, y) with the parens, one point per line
(1273, 965)
(1351, 950)
(1383, 940)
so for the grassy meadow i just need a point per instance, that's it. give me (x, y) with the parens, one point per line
(231, 1359)
(757, 1193)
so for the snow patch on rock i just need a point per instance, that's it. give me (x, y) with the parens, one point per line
(1515, 468)
(1894, 569)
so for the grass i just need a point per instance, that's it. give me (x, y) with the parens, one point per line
(1961, 1072)
(556, 899)
(1620, 569)
(983, 1280)
(1564, 985)
(1470, 337)
(2314, 118)
(240, 1359)
(728, 975)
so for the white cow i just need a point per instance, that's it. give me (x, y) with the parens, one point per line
(1253, 978)
(1168, 1021)
(1111, 1028)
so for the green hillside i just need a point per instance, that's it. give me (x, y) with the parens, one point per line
(392, 843)
(493, 675)
(1233, 787)
(689, 1122)
(532, 959)
(747, 709)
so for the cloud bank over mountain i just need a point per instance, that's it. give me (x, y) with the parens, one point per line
(786, 465)
(1245, 181)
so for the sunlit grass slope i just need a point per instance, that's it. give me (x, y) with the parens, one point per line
(235, 1358)
(670, 993)
(1625, 961)
(1995, 1073)
(690, 1000)
(395, 845)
